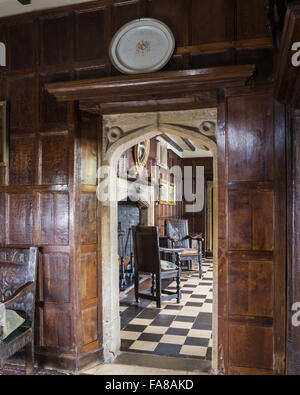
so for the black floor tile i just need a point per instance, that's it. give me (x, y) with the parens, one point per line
(209, 354)
(196, 341)
(177, 331)
(167, 349)
(135, 328)
(173, 307)
(194, 304)
(163, 320)
(149, 313)
(150, 337)
(183, 318)
(125, 344)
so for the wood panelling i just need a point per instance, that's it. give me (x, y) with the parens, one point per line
(90, 34)
(22, 45)
(20, 214)
(54, 209)
(22, 168)
(88, 218)
(293, 344)
(253, 348)
(56, 284)
(251, 282)
(53, 115)
(209, 26)
(22, 94)
(250, 217)
(255, 161)
(41, 190)
(88, 278)
(252, 192)
(252, 20)
(55, 159)
(56, 40)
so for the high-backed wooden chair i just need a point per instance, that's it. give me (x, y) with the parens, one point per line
(177, 236)
(147, 260)
(18, 272)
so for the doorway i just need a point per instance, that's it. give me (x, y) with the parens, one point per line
(121, 133)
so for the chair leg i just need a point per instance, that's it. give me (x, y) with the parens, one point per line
(136, 286)
(29, 355)
(200, 265)
(178, 286)
(158, 292)
(153, 285)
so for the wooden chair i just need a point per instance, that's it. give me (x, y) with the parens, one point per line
(177, 236)
(18, 272)
(147, 260)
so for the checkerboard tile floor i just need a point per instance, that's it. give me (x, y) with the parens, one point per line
(179, 330)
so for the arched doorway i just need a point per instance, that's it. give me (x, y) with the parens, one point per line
(116, 141)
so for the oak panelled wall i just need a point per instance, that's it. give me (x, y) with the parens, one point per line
(42, 199)
(252, 226)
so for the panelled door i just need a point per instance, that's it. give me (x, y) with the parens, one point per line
(252, 232)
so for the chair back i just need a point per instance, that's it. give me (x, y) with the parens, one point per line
(146, 249)
(177, 229)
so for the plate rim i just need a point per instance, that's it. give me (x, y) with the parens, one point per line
(112, 42)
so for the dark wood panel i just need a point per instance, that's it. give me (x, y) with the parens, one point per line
(22, 45)
(23, 161)
(56, 40)
(263, 221)
(22, 95)
(174, 14)
(20, 218)
(88, 279)
(54, 208)
(252, 19)
(254, 346)
(56, 274)
(53, 115)
(212, 21)
(57, 327)
(55, 159)
(250, 139)
(89, 324)
(124, 13)
(239, 221)
(88, 226)
(250, 283)
(90, 34)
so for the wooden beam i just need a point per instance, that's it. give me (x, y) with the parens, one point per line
(171, 142)
(188, 143)
(287, 86)
(24, 2)
(256, 43)
(154, 85)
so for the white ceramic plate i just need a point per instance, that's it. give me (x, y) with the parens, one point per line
(142, 46)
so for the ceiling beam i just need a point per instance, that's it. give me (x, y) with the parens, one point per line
(24, 2)
(188, 143)
(171, 142)
(146, 86)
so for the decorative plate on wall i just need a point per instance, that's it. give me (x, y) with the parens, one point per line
(142, 46)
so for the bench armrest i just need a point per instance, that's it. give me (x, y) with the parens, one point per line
(18, 296)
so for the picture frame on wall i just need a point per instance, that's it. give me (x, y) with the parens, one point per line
(163, 192)
(172, 193)
(4, 141)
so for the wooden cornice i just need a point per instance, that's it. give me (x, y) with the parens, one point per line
(150, 86)
(287, 86)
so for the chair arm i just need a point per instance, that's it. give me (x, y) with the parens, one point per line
(19, 294)
(196, 237)
(171, 250)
